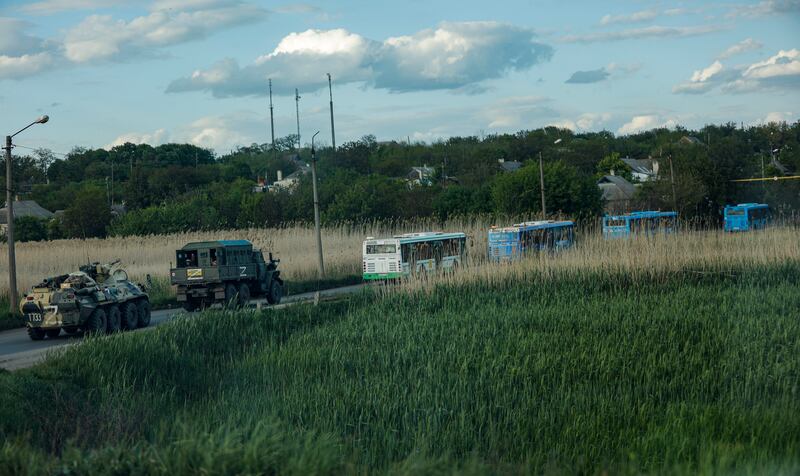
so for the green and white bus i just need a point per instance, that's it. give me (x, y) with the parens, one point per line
(412, 253)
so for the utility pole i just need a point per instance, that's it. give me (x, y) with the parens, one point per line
(271, 116)
(333, 131)
(12, 262)
(541, 185)
(672, 181)
(12, 258)
(321, 270)
(297, 108)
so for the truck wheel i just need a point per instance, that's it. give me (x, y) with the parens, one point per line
(144, 313)
(230, 295)
(190, 305)
(53, 333)
(130, 316)
(114, 319)
(275, 292)
(36, 333)
(244, 295)
(96, 324)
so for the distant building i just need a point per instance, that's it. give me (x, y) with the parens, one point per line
(618, 193)
(643, 170)
(24, 208)
(509, 165)
(421, 176)
(690, 140)
(289, 182)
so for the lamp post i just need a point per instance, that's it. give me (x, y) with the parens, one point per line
(321, 270)
(12, 260)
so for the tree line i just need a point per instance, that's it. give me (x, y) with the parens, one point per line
(181, 187)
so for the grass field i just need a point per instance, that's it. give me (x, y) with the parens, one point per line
(668, 356)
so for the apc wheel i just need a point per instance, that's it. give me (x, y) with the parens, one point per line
(71, 330)
(244, 295)
(53, 333)
(190, 305)
(97, 322)
(275, 292)
(144, 313)
(130, 316)
(114, 319)
(36, 333)
(230, 295)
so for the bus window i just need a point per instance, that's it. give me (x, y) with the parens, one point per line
(405, 252)
(735, 213)
(389, 248)
(213, 254)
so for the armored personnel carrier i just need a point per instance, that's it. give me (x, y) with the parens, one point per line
(228, 272)
(99, 298)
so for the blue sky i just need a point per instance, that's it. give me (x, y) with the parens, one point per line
(156, 71)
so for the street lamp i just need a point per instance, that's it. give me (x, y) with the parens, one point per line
(12, 262)
(321, 271)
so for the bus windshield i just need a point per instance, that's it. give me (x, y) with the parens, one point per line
(735, 213)
(381, 249)
(617, 222)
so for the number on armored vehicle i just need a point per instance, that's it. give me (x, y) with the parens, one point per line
(243, 274)
(35, 317)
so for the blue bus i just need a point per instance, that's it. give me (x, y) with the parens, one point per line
(645, 222)
(512, 242)
(746, 216)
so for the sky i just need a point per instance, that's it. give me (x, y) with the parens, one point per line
(196, 71)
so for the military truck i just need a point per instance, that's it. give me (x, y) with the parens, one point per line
(228, 272)
(97, 299)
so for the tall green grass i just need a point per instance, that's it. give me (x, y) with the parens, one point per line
(575, 372)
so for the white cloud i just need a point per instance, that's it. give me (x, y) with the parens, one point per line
(517, 112)
(21, 54)
(707, 73)
(451, 56)
(778, 72)
(158, 137)
(100, 37)
(15, 67)
(584, 122)
(699, 82)
(646, 122)
(766, 7)
(785, 63)
(636, 17)
(743, 46)
(48, 7)
(778, 117)
(654, 31)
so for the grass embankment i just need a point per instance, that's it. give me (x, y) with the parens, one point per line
(562, 372)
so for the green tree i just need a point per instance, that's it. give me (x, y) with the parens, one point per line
(612, 162)
(566, 191)
(30, 229)
(89, 215)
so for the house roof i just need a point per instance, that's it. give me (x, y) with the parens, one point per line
(25, 208)
(615, 188)
(640, 166)
(510, 165)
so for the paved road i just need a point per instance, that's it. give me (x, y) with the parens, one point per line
(18, 351)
